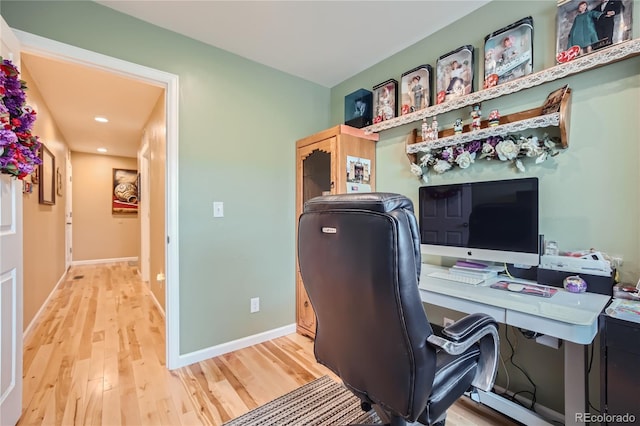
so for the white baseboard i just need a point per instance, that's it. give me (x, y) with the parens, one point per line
(42, 307)
(234, 345)
(99, 261)
(155, 300)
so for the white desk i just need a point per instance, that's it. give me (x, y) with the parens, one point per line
(567, 316)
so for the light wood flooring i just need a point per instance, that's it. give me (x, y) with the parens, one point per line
(96, 357)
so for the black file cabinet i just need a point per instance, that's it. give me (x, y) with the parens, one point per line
(619, 370)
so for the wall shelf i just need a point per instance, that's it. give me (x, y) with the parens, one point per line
(513, 123)
(612, 54)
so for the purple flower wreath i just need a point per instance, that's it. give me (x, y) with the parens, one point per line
(18, 147)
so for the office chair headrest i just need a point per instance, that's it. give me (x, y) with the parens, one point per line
(381, 202)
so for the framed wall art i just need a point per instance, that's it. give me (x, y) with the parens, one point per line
(415, 89)
(124, 192)
(47, 176)
(385, 100)
(508, 53)
(58, 182)
(454, 74)
(585, 26)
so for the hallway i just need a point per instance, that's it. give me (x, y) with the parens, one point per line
(97, 357)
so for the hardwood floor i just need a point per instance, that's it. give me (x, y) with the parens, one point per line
(96, 357)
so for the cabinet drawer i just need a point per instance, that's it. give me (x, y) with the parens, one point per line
(623, 335)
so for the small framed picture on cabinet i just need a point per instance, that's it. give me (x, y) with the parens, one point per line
(415, 87)
(385, 100)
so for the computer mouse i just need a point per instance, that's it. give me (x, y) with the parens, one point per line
(515, 287)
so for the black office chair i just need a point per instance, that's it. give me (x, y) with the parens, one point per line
(359, 256)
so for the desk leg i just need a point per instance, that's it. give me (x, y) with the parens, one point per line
(576, 386)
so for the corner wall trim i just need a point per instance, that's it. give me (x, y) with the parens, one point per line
(234, 345)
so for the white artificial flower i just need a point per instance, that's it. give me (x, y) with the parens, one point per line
(507, 150)
(465, 159)
(416, 170)
(541, 158)
(487, 149)
(519, 165)
(424, 161)
(441, 166)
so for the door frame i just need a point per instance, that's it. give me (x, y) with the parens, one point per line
(52, 49)
(68, 214)
(145, 232)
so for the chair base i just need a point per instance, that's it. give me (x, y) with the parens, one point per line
(397, 421)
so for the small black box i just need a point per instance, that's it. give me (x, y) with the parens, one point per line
(595, 283)
(358, 109)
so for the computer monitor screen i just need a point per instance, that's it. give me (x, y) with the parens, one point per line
(494, 221)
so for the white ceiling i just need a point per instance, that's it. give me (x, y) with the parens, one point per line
(325, 42)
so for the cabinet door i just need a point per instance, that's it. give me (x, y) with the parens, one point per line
(315, 176)
(315, 173)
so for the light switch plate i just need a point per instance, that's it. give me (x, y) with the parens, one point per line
(218, 209)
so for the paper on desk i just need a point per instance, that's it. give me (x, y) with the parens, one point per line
(624, 309)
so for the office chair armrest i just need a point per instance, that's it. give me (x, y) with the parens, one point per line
(467, 326)
(473, 329)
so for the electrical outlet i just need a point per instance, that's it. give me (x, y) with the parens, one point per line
(446, 322)
(255, 305)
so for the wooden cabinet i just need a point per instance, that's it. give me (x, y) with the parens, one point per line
(335, 161)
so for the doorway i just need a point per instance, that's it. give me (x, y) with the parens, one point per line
(47, 48)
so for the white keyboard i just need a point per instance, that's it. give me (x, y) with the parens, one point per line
(465, 279)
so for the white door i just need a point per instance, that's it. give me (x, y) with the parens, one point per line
(10, 273)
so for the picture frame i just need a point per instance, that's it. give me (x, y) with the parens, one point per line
(583, 27)
(415, 89)
(46, 171)
(385, 100)
(553, 101)
(124, 191)
(58, 182)
(454, 74)
(508, 53)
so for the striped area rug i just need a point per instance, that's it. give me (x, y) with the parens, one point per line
(321, 402)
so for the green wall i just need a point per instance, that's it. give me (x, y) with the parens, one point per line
(239, 122)
(589, 196)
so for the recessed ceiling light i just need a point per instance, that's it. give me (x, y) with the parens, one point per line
(102, 149)
(101, 119)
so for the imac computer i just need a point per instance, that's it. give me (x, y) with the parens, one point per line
(494, 221)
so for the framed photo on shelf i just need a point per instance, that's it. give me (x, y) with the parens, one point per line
(385, 100)
(415, 89)
(586, 26)
(553, 101)
(454, 74)
(508, 53)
